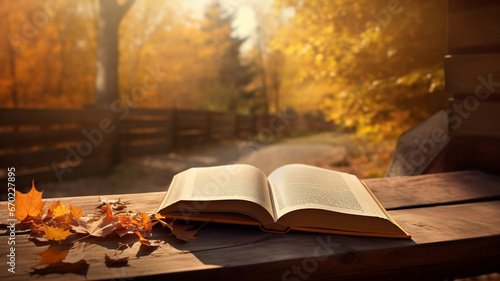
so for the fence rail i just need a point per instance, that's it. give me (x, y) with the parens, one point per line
(52, 144)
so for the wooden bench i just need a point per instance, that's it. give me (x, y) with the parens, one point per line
(453, 219)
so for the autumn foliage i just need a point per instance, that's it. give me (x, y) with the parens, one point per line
(371, 66)
(68, 231)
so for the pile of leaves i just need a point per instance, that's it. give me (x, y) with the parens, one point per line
(66, 229)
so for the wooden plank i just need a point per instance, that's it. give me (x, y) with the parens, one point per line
(223, 118)
(149, 111)
(130, 124)
(466, 74)
(47, 174)
(45, 157)
(191, 125)
(189, 132)
(473, 26)
(474, 118)
(222, 128)
(43, 137)
(9, 116)
(221, 136)
(443, 245)
(127, 137)
(432, 189)
(143, 149)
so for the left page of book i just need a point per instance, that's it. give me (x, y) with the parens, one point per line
(230, 188)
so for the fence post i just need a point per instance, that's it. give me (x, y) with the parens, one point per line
(253, 130)
(173, 127)
(115, 156)
(236, 127)
(208, 127)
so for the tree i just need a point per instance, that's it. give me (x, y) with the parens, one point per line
(106, 77)
(382, 59)
(233, 75)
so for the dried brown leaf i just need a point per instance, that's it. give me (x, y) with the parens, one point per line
(100, 228)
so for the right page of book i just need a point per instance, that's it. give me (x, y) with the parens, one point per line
(299, 186)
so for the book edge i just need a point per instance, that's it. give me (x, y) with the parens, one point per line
(384, 210)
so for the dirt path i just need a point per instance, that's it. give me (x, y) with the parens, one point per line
(154, 172)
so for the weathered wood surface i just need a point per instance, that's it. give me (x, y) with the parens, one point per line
(435, 189)
(449, 239)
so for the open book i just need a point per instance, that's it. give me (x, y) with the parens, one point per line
(297, 197)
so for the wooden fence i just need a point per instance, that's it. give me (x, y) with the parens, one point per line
(57, 144)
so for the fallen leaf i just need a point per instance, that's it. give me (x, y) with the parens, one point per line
(182, 232)
(29, 205)
(56, 233)
(38, 232)
(100, 228)
(160, 216)
(57, 209)
(146, 222)
(147, 242)
(115, 261)
(116, 205)
(107, 210)
(75, 212)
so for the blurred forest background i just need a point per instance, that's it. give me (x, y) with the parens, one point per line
(374, 67)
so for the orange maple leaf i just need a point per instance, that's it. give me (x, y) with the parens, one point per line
(146, 222)
(75, 212)
(56, 233)
(29, 205)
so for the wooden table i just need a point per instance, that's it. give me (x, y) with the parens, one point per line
(454, 220)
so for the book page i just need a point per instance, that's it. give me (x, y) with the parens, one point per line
(297, 186)
(229, 182)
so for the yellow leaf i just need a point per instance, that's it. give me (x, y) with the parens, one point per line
(56, 234)
(58, 209)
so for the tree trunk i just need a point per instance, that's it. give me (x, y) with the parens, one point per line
(106, 79)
